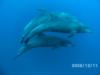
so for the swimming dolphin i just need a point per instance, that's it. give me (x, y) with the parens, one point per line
(43, 40)
(60, 22)
(43, 17)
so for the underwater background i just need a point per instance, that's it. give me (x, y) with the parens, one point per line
(15, 14)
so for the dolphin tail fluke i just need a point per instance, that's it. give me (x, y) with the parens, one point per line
(22, 51)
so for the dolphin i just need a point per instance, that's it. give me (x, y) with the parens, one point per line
(43, 17)
(43, 40)
(60, 22)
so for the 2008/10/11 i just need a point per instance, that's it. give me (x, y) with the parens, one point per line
(84, 65)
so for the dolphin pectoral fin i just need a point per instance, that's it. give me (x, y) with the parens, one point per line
(72, 34)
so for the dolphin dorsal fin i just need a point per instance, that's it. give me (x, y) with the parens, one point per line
(44, 12)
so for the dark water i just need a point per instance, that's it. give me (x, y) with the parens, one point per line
(15, 14)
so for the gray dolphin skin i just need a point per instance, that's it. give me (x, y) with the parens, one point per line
(54, 22)
(43, 40)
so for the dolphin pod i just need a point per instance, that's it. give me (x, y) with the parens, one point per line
(54, 22)
(33, 35)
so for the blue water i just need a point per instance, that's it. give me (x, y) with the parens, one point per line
(15, 14)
